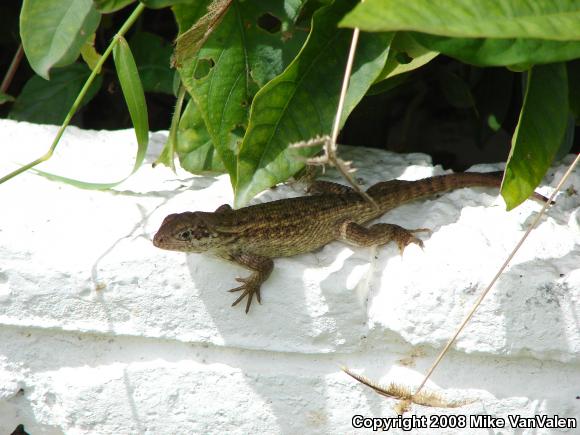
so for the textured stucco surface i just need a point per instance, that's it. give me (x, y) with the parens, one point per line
(101, 333)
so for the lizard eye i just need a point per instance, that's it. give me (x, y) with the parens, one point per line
(184, 235)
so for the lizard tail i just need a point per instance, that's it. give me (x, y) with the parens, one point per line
(399, 191)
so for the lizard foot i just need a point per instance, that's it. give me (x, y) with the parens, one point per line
(248, 288)
(404, 237)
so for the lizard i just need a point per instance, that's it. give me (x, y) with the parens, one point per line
(252, 236)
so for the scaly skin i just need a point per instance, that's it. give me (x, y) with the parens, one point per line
(252, 236)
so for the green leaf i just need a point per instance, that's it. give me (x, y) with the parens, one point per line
(132, 91)
(189, 42)
(568, 140)
(158, 4)
(269, 51)
(6, 98)
(53, 31)
(301, 102)
(404, 43)
(187, 15)
(194, 147)
(541, 19)
(386, 85)
(500, 52)
(135, 99)
(48, 102)
(167, 156)
(574, 89)
(90, 54)
(152, 54)
(218, 80)
(539, 133)
(235, 60)
(108, 6)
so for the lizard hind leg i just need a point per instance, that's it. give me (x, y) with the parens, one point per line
(261, 268)
(379, 234)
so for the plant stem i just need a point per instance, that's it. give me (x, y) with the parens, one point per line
(12, 69)
(124, 28)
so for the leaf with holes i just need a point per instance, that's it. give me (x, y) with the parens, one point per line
(539, 134)
(301, 102)
(417, 56)
(235, 60)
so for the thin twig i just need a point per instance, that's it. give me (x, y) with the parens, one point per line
(330, 150)
(344, 88)
(329, 142)
(499, 272)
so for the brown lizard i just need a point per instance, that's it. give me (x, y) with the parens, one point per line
(252, 236)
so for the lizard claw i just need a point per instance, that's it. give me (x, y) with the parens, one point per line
(248, 289)
(406, 237)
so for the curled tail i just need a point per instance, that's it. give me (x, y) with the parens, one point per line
(391, 193)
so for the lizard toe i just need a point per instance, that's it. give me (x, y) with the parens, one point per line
(239, 299)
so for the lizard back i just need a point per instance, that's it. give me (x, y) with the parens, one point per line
(296, 225)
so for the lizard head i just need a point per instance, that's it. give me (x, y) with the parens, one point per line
(187, 232)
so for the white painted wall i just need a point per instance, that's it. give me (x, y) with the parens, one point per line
(101, 333)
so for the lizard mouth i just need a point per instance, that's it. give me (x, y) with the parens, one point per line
(167, 243)
(159, 241)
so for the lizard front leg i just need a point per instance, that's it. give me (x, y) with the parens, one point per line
(261, 267)
(379, 234)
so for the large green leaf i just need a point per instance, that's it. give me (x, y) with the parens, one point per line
(108, 6)
(48, 102)
(301, 102)
(191, 40)
(499, 52)
(194, 147)
(219, 81)
(187, 15)
(542, 19)
(235, 60)
(539, 133)
(270, 50)
(53, 31)
(157, 4)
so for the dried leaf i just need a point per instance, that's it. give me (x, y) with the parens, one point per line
(190, 41)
